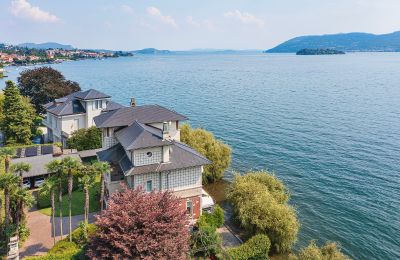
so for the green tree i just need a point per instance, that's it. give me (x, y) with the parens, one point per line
(87, 180)
(17, 121)
(20, 168)
(8, 182)
(256, 247)
(7, 153)
(329, 251)
(205, 242)
(20, 198)
(43, 85)
(49, 186)
(70, 167)
(85, 139)
(216, 151)
(260, 204)
(55, 167)
(102, 168)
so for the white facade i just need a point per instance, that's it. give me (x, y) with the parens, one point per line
(61, 127)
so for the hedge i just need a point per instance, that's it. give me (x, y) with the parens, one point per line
(214, 219)
(256, 247)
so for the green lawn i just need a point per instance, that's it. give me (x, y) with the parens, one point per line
(78, 202)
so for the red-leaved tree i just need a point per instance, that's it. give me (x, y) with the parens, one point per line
(140, 225)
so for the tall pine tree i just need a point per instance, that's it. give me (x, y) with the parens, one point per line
(17, 116)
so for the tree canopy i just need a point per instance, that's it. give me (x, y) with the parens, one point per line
(85, 139)
(260, 203)
(329, 251)
(18, 116)
(215, 150)
(140, 225)
(44, 84)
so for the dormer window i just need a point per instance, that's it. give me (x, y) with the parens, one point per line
(97, 104)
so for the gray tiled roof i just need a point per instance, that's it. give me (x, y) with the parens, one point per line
(143, 114)
(91, 94)
(111, 105)
(181, 156)
(70, 104)
(138, 136)
(69, 107)
(116, 155)
(38, 163)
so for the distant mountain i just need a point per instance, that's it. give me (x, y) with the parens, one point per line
(46, 45)
(344, 42)
(151, 51)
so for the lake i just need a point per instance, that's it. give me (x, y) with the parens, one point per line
(329, 126)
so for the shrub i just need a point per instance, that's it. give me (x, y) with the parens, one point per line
(140, 225)
(214, 219)
(260, 206)
(216, 151)
(205, 242)
(64, 247)
(256, 247)
(329, 251)
(85, 139)
(78, 235)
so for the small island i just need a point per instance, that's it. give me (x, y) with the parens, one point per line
(319, 52)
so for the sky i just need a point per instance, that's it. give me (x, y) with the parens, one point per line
(189, 24)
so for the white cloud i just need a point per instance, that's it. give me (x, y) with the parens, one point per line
(155, 12)
(207, 24)
(127, 9)
(192, 22)
(245, 18)
(23, 9)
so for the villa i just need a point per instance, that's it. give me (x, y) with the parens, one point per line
(142, 145)
(73, 112)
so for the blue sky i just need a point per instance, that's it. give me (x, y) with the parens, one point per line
(188, 24)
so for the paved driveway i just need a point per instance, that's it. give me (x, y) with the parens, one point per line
(41, 238)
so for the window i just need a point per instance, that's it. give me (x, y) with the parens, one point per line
(189, 207)
(97, 104)
(149, 154)
(149, 186)
(108, 132)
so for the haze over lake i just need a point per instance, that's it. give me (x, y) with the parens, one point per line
(329, 126)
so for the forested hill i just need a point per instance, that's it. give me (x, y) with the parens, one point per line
(344, 42)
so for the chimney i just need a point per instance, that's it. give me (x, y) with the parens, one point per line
(133, 102)
(165, 130)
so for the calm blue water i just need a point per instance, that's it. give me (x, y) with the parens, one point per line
(329, 126)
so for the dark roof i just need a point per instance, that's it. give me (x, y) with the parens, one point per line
(116, 155)
(138, 136)
(67, 108)
(91, 94)
(70, 104)
(143, 114)
(38, 163)
(111, 105)
(181, 156)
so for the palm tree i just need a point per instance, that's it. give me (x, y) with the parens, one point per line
(87, 180)
(70, 165)
(55, 167)
(8, 182)
(102, 168)
(7, 153)
(21, 198)
(49, 186)
(20, 168)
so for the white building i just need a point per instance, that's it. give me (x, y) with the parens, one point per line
(75, 111)
(142, 145)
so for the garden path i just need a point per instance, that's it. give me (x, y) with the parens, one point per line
(41, 238)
